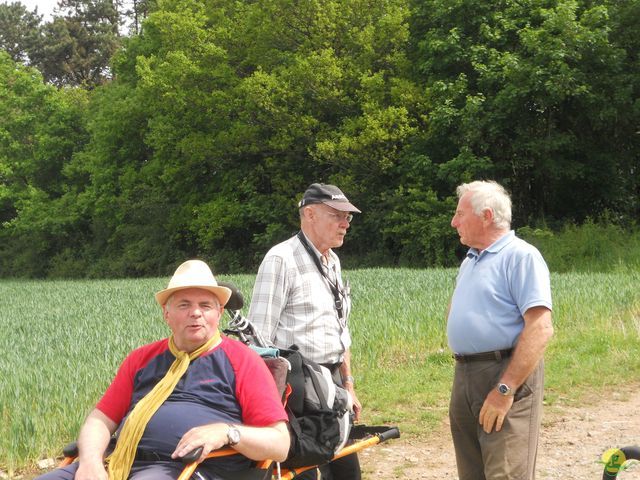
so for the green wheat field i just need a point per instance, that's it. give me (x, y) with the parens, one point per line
(62, 341)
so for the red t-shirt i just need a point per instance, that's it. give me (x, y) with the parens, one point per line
(229, 384)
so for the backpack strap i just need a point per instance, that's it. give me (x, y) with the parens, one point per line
(295, 379)
(320, 389)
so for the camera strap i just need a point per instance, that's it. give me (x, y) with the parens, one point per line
(333, 286)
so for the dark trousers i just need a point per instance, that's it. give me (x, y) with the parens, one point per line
(345, 468)
(139, 471)
(161, 470)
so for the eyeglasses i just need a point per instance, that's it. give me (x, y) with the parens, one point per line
(340, 217)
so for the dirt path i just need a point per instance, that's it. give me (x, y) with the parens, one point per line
(572, 442)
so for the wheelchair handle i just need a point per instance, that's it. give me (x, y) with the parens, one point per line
(389, 434)
(192, 456)
(236, 300)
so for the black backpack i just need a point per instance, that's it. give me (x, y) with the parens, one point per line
(319, 412)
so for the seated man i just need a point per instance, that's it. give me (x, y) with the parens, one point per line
(193, 389)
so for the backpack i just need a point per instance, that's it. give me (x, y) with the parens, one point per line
(319, 412)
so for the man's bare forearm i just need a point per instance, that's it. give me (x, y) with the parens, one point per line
(94, 436)
(530, 348)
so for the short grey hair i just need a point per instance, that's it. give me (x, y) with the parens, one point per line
(489, 194)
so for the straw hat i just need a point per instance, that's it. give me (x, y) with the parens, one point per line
(193, 274)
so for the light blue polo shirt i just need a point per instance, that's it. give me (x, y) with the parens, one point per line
(494, 289)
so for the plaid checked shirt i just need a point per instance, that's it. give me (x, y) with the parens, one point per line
(292, 303)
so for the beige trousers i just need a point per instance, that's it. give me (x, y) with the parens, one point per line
(509, 454)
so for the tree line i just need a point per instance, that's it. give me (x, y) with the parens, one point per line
(134, 137)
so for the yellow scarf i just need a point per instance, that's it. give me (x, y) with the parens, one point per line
(122, 457)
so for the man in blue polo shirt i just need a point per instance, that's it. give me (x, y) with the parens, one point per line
(499, 324)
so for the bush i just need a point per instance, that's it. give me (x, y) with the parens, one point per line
(594, 246)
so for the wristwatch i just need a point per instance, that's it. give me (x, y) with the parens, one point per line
(233, 435)
(349, 379)
(504, 389)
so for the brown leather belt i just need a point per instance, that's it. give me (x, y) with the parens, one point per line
(484, 356)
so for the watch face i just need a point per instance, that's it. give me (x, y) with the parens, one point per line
(504, 389)
(234, 435)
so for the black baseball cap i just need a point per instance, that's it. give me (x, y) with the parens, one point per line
(329, 195)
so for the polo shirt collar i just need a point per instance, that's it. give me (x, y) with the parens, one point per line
(495, 247)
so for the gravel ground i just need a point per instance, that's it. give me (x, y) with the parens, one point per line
(571, 444)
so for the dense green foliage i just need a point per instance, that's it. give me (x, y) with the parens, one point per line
(19, 30)
(220, 113)
(74, 48)
(592, 247)
(62, 357)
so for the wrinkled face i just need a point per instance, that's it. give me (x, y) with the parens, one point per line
(470, 227)
(193, 315)
(329, 226)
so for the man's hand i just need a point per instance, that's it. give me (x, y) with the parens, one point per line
(529, 351)
(357, 406)
(209, 437)
(494, 410)
(256, 443)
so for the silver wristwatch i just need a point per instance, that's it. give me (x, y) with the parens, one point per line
(349, 379)
(504, 389)
(233, 435)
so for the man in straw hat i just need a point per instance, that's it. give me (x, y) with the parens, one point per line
(300, 298)
(193, 389)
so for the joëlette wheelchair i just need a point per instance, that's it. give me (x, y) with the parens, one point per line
(360, 436)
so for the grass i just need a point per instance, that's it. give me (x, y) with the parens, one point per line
(62, 342)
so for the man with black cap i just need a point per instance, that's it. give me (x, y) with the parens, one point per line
(300, 298)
